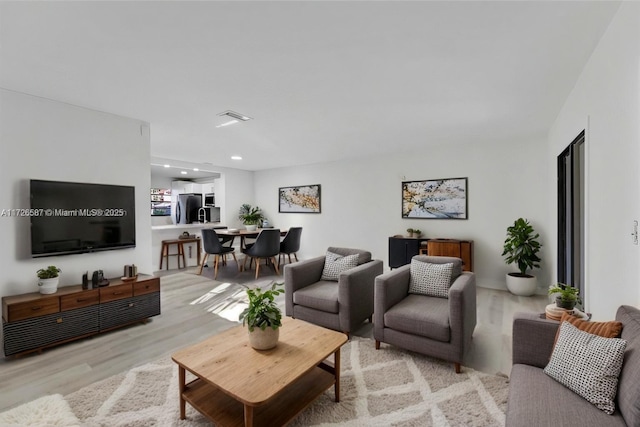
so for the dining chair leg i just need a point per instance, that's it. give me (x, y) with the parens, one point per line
(257, 268)
(295, 255)
(275, 265)
(289, 255)
(204, 260)
(236, 260)
(215, 266)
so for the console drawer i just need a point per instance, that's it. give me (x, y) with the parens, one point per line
(79, 300)
(113, 293)
(30, 309)
(146, 287)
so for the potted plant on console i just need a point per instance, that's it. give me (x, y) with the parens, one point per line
(48, 282)
(263, 317)
(521, 248)
(250, 216)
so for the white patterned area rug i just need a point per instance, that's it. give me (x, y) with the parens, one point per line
(386, 387)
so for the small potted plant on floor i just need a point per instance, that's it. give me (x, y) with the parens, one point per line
(250, 216)
(263, 317)
(521, 247)
(566, 296)
(48, 282)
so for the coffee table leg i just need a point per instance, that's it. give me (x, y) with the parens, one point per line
(181, 387)
(336, 363)
(248, 416)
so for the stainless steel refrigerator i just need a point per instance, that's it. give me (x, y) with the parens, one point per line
(187, 205)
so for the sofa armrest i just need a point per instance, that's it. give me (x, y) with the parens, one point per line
(533, 338)
(390, 288)
(299, 275)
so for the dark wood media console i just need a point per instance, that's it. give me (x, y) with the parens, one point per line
(33, 321)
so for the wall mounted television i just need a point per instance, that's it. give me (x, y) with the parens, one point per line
(72, 217)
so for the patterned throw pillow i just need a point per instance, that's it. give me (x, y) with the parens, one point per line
(611, 329)
(335, 264)
(430, 279)
(588, 364)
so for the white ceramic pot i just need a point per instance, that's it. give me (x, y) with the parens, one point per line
(264, 340)
(251, 227)
(48, 286)
(522, 286)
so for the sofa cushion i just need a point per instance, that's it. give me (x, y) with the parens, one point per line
(628, 390)
(430, 279)
(588, 364)
(611, 329)
(334, 264)
(321, 296)
(420, 315)
(535, 399)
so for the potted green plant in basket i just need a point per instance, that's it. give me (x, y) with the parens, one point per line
(48, 279)
(521, 247)
(263, 317)
(250, 216)
(566, 296)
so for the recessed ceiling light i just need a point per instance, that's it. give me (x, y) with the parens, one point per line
(167, 166)
(236, 158)
(196, 169)
(183, 172)
(235, 115)
(230, 122)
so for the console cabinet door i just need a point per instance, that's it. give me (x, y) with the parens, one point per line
(130, 310)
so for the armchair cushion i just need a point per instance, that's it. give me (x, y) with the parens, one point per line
(588, 364)
(321, 296)
(334, 264)
(430, 279)
(420, 315)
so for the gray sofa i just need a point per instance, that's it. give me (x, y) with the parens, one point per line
(341, 305)
(535, 399)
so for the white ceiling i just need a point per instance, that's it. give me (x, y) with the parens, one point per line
(322, 80)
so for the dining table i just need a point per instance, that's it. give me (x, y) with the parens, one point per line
(244, 234)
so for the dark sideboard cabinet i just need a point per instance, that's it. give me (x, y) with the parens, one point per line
(33, 321)
(402, 249)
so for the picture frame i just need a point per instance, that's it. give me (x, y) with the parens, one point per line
(299, 199)
(435, 199)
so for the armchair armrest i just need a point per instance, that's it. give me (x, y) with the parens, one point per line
(390, 288)
(299, 275)
(462, 310)
(533, 339)
(355, 292)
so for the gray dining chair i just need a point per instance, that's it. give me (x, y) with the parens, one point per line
(213, 246)
(290, 244)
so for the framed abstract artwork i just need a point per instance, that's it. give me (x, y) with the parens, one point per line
(435, 199)
(299, 199)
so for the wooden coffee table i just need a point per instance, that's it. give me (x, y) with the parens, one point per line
(237, 385)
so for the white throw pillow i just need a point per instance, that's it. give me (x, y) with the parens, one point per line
(335, 264)
(588, 364)
(430, 279)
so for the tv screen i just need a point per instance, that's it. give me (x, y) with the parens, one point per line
(71, 217)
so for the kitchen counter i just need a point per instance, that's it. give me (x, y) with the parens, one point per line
(185, 227)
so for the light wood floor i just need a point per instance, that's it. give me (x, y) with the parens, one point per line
(188, 317)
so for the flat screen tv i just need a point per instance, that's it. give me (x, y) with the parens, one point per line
(71, 217)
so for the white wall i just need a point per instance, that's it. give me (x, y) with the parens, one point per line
(605, 103)
(44, 139)
(361, 200)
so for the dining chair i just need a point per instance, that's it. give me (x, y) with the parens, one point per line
(212, 245)
(290, 244)
(266, 246)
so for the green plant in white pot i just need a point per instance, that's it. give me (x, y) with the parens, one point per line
(521, 247)
(263, 317)
(250, 216)
(48, 279)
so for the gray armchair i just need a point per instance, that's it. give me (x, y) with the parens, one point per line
(341, 305)
(437, 327)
